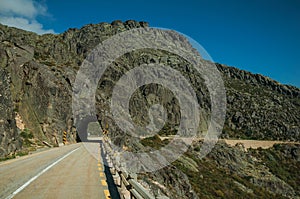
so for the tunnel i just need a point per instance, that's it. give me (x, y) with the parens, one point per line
(82, 127)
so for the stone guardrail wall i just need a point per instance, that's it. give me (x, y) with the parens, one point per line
(127, 183)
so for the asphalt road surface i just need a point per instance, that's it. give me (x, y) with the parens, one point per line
(73, 171)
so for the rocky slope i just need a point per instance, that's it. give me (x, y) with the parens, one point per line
(9, 138)
(260, 108)
(37, 74)
(230, 172)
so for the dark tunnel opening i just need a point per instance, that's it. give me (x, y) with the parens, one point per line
(82, 128)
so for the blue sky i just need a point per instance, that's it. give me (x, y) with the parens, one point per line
(258, 36)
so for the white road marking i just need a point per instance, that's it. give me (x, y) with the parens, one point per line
(36, 176)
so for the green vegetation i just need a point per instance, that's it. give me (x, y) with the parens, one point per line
(282, 162)
(168, 130)
(26, 135)
(17, 154)
(49, 63)
(154, 142)
(214, 182)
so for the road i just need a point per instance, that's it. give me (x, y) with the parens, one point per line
(254, 144)
(72, 171)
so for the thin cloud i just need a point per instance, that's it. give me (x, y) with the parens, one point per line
(25, 24)
(22, 14)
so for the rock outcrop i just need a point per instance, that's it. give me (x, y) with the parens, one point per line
(229, 172)
(43, 70)
(260, 108)
(37, 75)
(9, 142)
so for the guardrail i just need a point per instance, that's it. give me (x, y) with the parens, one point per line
(129, 187)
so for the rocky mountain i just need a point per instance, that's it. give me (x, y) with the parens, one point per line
(9, 135)
(37, 75)
(259, 107)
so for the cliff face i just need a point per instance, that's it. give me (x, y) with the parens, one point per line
(42, 70)
(9, 141)
(259, 107)
(37, 74)
(40, 96)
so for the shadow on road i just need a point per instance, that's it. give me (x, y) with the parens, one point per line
(109, 178)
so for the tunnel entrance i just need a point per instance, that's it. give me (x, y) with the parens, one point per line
(82, 128)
